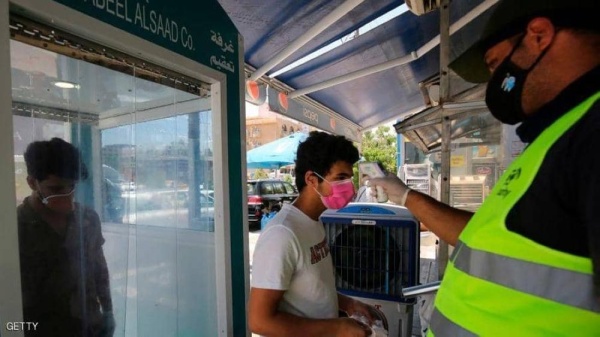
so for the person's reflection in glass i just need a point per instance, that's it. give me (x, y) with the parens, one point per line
(64, 275)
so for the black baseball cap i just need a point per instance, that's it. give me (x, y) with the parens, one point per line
(510, 17)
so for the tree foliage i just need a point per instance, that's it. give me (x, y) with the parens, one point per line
(260, 174)
(380, 146)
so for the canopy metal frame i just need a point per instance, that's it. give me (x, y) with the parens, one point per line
(319, 97)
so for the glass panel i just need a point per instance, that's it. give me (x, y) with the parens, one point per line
(475, 162)
(412, 154)
(429, 137)
(251, 188)
(129, 253)
(289, 189)
(278, 188)
(266, 188)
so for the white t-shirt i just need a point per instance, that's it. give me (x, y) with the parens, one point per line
(292, 254)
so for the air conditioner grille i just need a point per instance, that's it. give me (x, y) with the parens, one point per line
(372, 259)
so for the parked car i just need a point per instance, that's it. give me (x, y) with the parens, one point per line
(128, 186)
(208, 193)
(114, 203)
(262, 194)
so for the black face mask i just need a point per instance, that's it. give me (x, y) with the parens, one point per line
(504, 94)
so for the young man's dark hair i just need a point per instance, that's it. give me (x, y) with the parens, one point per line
(54, 157)
(318, 153)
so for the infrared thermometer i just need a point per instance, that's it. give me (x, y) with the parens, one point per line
(373, 170)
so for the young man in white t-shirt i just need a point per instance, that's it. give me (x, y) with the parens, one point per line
(293, 288)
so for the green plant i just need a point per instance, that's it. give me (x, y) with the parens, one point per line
(288, 178)
(380, 146)
(260, 174)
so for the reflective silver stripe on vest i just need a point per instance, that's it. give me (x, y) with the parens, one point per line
(555, 284)
(442, 326)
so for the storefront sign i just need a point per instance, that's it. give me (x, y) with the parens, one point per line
(256, 93)
(457, 161)
(488, 170)
(483, 170)
(185, 29)
(279, 102)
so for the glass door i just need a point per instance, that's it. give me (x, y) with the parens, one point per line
(139, 246)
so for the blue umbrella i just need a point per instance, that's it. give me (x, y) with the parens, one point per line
(275, 154)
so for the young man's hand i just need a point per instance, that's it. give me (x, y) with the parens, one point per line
(361, 309)
(356, 308)
(349, 327)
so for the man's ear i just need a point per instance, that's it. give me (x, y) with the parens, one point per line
(311, 179)
(31, 183)
(542, 31)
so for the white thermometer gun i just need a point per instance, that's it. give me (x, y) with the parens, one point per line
(373, 170)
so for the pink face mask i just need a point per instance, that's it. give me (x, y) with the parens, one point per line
(342, 192)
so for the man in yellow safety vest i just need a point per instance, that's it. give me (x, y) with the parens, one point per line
(527, 263)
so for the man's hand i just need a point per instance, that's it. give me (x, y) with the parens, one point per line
(359, 308)
(395, 188)
(108, 324)
(349, 327)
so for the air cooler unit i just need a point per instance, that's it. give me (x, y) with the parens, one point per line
(420, 7)
(467, 192)
(375, 252)
(417, 177)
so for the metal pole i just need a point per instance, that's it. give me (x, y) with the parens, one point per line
(354, 75)
(442, 257)
(400, 155)
(463, 106)
(194, 169)
(315, 30)
(415, 291)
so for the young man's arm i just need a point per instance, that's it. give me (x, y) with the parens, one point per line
(265, 319)
(102, 277)
(274, 264)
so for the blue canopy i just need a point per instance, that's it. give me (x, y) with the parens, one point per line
(268, 26)
(275, 154)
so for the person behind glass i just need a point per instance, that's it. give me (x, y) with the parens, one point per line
(527, 263)
(64, 276)
(293, 289)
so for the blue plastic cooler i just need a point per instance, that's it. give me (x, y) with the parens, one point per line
(375, 250)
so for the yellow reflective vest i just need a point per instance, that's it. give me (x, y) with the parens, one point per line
(500, 283)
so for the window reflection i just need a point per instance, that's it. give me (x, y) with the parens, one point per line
(64, 275)
(481, 148)
(474, 162)
(120, 254)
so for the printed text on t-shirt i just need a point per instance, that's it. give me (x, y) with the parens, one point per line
(319, 251)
